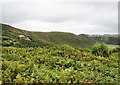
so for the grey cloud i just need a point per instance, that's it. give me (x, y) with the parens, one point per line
(104, 14)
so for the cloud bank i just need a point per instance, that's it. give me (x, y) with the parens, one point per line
(73, 16)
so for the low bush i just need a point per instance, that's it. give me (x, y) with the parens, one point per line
(100, 50)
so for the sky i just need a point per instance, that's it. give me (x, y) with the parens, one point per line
(75, 16)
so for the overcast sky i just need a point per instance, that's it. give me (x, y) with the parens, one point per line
(73, 16)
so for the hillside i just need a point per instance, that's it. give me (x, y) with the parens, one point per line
(58, 64)
(20, 38)
(35, 58)
(108, 39)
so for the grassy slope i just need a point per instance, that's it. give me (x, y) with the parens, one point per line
(64, 38)
(41, 39)
(108, 39)
(12, 35)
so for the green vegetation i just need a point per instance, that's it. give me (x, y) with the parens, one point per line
(117, 49)
(11, 37)
(20, 38)
(108, 39)
(57, 64)
(110, 46)
(56, 57)
(100, 50)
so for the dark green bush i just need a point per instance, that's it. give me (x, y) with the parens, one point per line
(117, 49)
(100, 50)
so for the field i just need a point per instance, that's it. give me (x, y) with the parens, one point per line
(57, 64)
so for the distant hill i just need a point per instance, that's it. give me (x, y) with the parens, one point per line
(20, 38)
(107, 38)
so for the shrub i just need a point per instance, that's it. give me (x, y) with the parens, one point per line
(116, 49)
(100, 50)
(83, 49)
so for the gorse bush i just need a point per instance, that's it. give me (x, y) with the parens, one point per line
(117, 49)
(56, 64)
(100, 50)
